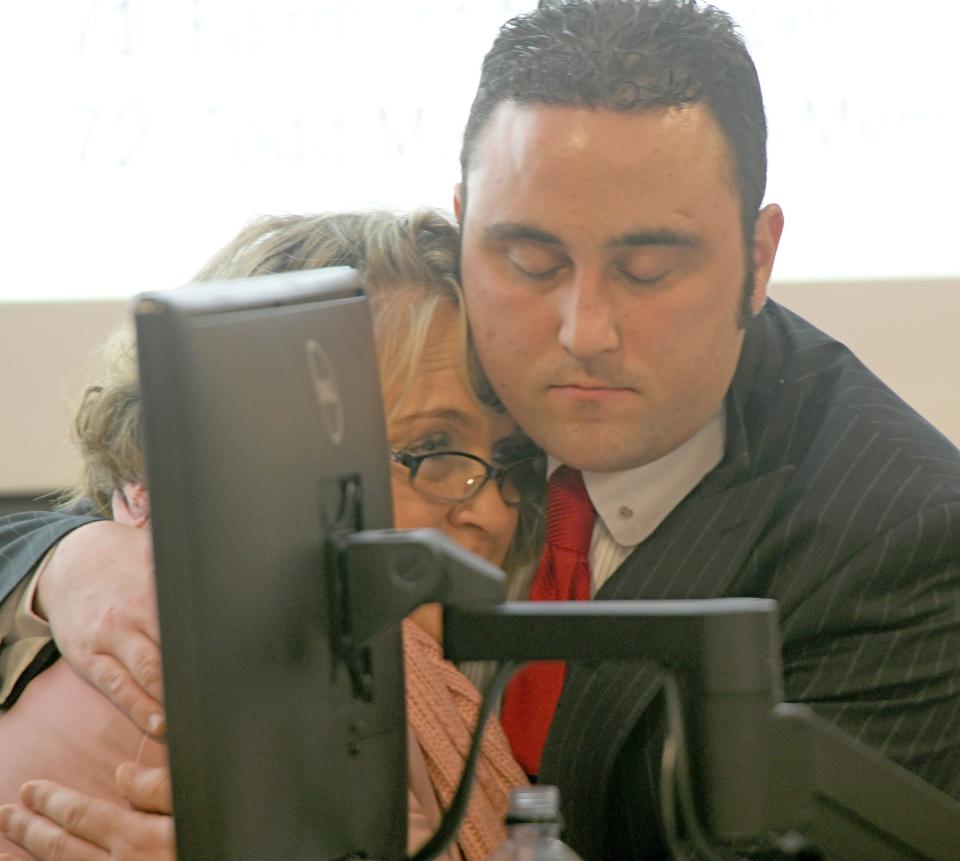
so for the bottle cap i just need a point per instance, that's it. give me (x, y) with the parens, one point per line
(534, 804)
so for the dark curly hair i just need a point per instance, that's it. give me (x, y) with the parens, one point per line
(627, 55)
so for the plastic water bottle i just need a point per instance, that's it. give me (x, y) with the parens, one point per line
(533, 827)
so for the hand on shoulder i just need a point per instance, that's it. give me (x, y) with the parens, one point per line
(97, 591)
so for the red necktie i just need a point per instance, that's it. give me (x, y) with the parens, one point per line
(563, 574)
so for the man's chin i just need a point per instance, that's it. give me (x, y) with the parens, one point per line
(604, 464)
(597, 449)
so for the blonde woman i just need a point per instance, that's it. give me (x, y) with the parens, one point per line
(434, 412)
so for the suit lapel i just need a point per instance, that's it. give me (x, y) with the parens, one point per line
(699, 549)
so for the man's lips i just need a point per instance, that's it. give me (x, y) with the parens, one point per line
(577, 386)
(590, 392)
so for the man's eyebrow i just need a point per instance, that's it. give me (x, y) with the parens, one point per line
(671, 238)
(511, 232)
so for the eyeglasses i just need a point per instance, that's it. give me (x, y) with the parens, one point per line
(456, 476)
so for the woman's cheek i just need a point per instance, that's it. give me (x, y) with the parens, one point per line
(409, 510)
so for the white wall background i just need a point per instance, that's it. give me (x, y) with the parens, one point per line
(139, 136)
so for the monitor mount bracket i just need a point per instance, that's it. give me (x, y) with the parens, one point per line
(761, 766)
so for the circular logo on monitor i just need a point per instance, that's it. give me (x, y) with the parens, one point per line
(327, 390)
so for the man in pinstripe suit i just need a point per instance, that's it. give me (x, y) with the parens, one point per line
(615, 259)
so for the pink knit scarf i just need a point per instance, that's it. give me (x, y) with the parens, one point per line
(442, 707)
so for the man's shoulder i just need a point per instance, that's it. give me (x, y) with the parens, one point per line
(828, 407)
(824, 370)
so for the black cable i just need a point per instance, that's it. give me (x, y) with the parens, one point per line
(453, 816)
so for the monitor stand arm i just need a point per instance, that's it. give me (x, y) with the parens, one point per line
(760, 766)
(388, 573)
(382, 575)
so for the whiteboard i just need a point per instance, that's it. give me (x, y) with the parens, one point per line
(140, 135)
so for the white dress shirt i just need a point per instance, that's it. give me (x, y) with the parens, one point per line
(632, 504)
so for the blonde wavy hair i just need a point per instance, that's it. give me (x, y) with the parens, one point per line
(409, 265)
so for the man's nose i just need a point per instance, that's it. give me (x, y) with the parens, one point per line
(588, 322)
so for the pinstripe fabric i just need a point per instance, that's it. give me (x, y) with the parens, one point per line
(24, 540)
(844, 505)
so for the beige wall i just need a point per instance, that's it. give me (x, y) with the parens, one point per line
(906, 332)
(44, 350)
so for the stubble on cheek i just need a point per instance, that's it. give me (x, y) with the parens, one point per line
(502, 346)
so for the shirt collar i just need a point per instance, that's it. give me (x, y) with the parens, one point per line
(634, 502)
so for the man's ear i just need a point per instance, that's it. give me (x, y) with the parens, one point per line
(766, 240)
(458, 202)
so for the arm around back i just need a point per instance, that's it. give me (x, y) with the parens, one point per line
(97, 592)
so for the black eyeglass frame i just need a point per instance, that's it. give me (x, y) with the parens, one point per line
(499, 474)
